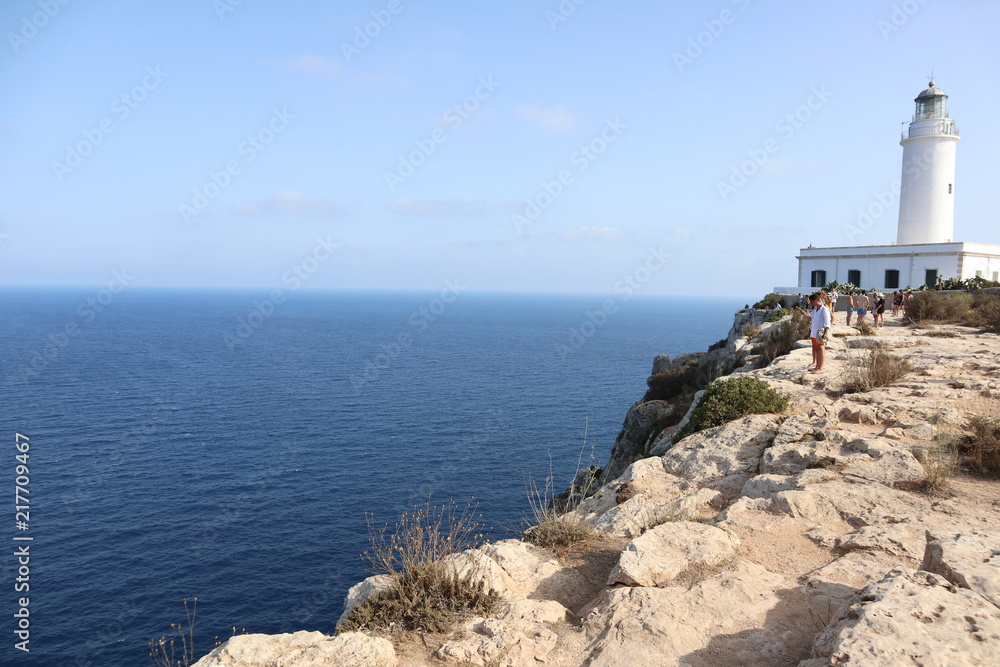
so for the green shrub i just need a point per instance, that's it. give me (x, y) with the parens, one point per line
(875, 369)
(934, 306)
(768, 302)
(778, 315)
(779, 340)
(731, 399)
(717, 345)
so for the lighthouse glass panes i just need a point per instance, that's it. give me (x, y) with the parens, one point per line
(931, 107)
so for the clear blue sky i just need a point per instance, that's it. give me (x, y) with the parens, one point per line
(414, 150)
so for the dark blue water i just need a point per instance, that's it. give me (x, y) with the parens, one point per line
(217, 445)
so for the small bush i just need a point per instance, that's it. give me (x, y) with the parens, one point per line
(864, 328)
(985, 312)
(981, 450)
(939, 307)
(731, 399)
(750, 331)
(426, 593)
(768, 302)
(780, 340)
(717, 345)
(778, 315)
(875, 369)
(683, 382)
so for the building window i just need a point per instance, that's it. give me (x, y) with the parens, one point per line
(892, 279)
(979, 274)
(818, 278)
(930, 277)
(854, 277)
(949, 188)
(996, 276)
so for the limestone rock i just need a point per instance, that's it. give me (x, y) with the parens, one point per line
(913, 618)
(725, 457)
(515, 569)
(639, 627)
(660, 554)
(363, 590)
(519, 635)
(302, 649)
(638, 431)
(970, 560)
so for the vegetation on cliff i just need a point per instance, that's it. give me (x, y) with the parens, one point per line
(731, 399)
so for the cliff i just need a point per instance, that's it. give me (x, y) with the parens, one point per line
(807, 538)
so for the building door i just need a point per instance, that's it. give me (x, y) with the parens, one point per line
(930, 278)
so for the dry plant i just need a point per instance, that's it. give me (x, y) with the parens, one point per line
(553, 521)
(939, 463)
(750, 331)
(427, 592)
(864, 328)
(874, 369)
(981, 449)
(163, 651)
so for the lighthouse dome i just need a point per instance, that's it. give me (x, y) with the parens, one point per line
(931, 91)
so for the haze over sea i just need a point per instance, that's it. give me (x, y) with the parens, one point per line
(174, 454)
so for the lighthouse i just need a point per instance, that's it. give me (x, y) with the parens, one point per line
(925, 252)
(927, 187)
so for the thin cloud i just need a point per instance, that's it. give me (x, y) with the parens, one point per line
(603, 233)
(445, 208)
(289, 202)
(552, 119)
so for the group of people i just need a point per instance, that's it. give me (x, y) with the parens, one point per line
(824, 307)
(862, 303)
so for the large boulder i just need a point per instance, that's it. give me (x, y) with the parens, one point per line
(912, 618)
(662, 553)
(520, 635)
(641, 426)
(302, 649)
(970, 560)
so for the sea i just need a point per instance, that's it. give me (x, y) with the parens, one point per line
(235, 446)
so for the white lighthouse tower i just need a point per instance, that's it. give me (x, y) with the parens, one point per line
(927, 189)
(925, 252)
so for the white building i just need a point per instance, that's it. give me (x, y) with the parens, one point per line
(924, 250)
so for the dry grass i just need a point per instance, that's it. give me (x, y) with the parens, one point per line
(750, 331)
(981, 449)
(427, 593)
(864, 328)
(779, 340)
(553, 522)
(874, 369)
(940, 464)
(163, 651)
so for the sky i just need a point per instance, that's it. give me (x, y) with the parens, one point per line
(685, 148)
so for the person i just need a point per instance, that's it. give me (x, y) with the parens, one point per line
(802, 302)
(862, 305)
(850, 307)
(832, 298)
(897, 302)
(879, 310)
(819, 331)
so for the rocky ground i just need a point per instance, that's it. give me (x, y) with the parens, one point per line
(796, 539)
